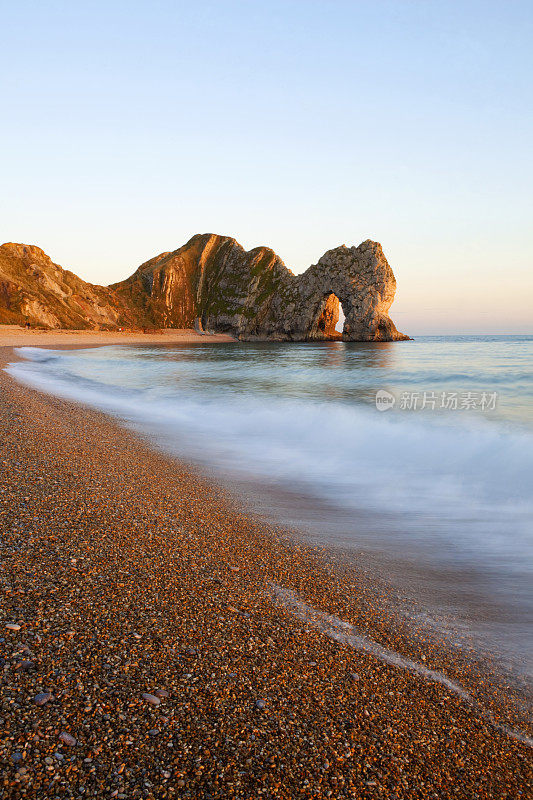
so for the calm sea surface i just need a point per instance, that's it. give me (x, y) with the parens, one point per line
(434, 487)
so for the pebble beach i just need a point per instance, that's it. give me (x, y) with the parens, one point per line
(152, 646)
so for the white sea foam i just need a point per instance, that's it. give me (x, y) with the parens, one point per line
(465, 488)
(340, 631)
(451, 493)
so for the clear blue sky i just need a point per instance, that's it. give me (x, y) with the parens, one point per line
(129, 126)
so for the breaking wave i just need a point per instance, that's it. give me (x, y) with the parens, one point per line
(453, 494)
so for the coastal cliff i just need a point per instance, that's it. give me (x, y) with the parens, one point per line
(34, 289)
(214, 284)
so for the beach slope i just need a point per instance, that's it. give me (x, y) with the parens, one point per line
(147, 654)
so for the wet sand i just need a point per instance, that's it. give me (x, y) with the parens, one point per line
(144, 616)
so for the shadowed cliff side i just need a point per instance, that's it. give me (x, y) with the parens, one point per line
(214, 284)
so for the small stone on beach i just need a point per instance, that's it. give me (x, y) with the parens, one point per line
(151, 699)
(42, 698)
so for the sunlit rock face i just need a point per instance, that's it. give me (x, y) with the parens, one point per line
(327, 321)
(214, 284)
(33, 289)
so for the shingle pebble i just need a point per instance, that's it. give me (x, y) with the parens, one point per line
(67, 738)
(114, 562)
(42, 698)
(151, 699)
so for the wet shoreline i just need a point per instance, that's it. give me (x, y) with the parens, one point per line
(129, 574)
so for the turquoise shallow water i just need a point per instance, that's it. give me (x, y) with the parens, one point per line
(434, 483)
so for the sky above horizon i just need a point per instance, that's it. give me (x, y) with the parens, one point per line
(300, 125)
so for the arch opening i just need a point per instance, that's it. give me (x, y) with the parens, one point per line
(329, 313)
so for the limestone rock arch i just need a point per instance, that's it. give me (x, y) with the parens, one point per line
(359, 278)
(214, 282)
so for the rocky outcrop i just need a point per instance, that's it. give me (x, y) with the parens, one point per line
(33, 289)
(214, 284)
(327, 323)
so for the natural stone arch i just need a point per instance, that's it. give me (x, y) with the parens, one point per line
(363, 283)
(253, 295)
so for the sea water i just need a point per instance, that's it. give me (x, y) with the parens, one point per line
(416, 457)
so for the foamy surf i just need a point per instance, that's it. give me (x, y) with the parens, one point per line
(340, 631)
(451, 494)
